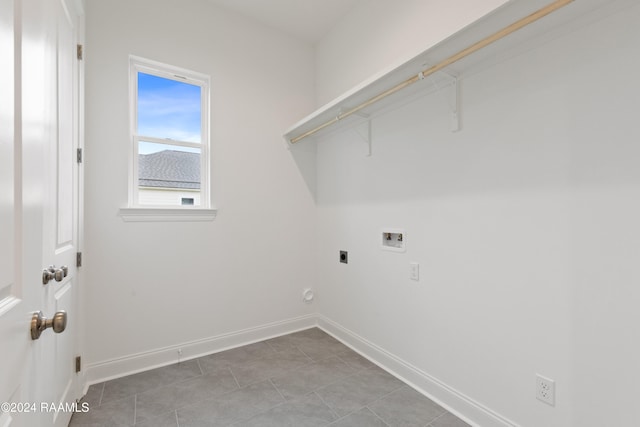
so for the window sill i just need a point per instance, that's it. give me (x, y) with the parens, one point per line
(166, 214)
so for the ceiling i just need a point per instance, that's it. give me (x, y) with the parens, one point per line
(308, 20)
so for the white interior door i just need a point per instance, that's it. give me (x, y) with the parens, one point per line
(38, 208)
(60, 228)
(13, 321)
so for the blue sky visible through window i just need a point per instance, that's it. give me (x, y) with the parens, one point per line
(168, 109)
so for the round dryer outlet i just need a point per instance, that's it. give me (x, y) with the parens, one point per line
(307, 296)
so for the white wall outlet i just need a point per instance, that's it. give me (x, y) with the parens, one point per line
(414, 271)
(546, 390)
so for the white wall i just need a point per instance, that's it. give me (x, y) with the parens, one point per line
(525, 223)
(380, 33)
(153, 285)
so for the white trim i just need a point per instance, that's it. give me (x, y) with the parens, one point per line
(464, 407)
(127, 365)
(147, 66)
(5, 419)
(436, 390)
(169, 71)
(64, 399)
(167, 214)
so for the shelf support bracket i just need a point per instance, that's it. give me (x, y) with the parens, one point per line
(364, 131)
(453, 98)
(455, 104)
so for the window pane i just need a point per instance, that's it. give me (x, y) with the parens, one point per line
(168, 174)
(168, 108)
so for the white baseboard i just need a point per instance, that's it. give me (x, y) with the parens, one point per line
(449, 398)
(127, 365)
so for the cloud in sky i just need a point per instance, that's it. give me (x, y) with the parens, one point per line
(145, 147)
(168, 108)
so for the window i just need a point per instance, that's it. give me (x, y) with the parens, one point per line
(170, 137)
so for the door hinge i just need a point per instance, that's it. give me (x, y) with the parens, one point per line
(80, 52)
(79, 155)
(78, 259)
(78, 363)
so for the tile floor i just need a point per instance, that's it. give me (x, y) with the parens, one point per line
(303, 379)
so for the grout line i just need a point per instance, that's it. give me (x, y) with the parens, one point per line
(344, 416)
(311, 360)
(101, 393)
(353, 374)
(135, 408)
(338, 381)
(269, 344)
(234, 377)
(350, 367)
(309, 357)
(278, 390)
(358, 367)
(238, 421)
(430, 423)
(377, 416)
(330, 408)
(200, 367)
(260, 380)
(385, 396)
(358, 410)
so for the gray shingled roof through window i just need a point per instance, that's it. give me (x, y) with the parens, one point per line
(169, 169)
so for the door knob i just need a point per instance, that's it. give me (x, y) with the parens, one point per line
(53, 273)
(39, 323)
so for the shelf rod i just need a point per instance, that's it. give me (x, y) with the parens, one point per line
(552, 7)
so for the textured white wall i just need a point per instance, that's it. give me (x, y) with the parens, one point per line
(380, 33)
(524, 224)
(151, 285)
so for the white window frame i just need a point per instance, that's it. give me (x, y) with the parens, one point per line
(141, 212)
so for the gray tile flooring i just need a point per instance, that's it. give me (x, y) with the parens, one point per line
(303, 379)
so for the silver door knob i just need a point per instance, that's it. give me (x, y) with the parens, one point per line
(39, 323)
(53, 273)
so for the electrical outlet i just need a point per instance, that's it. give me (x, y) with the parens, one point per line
(414, 271)
(546, 390)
